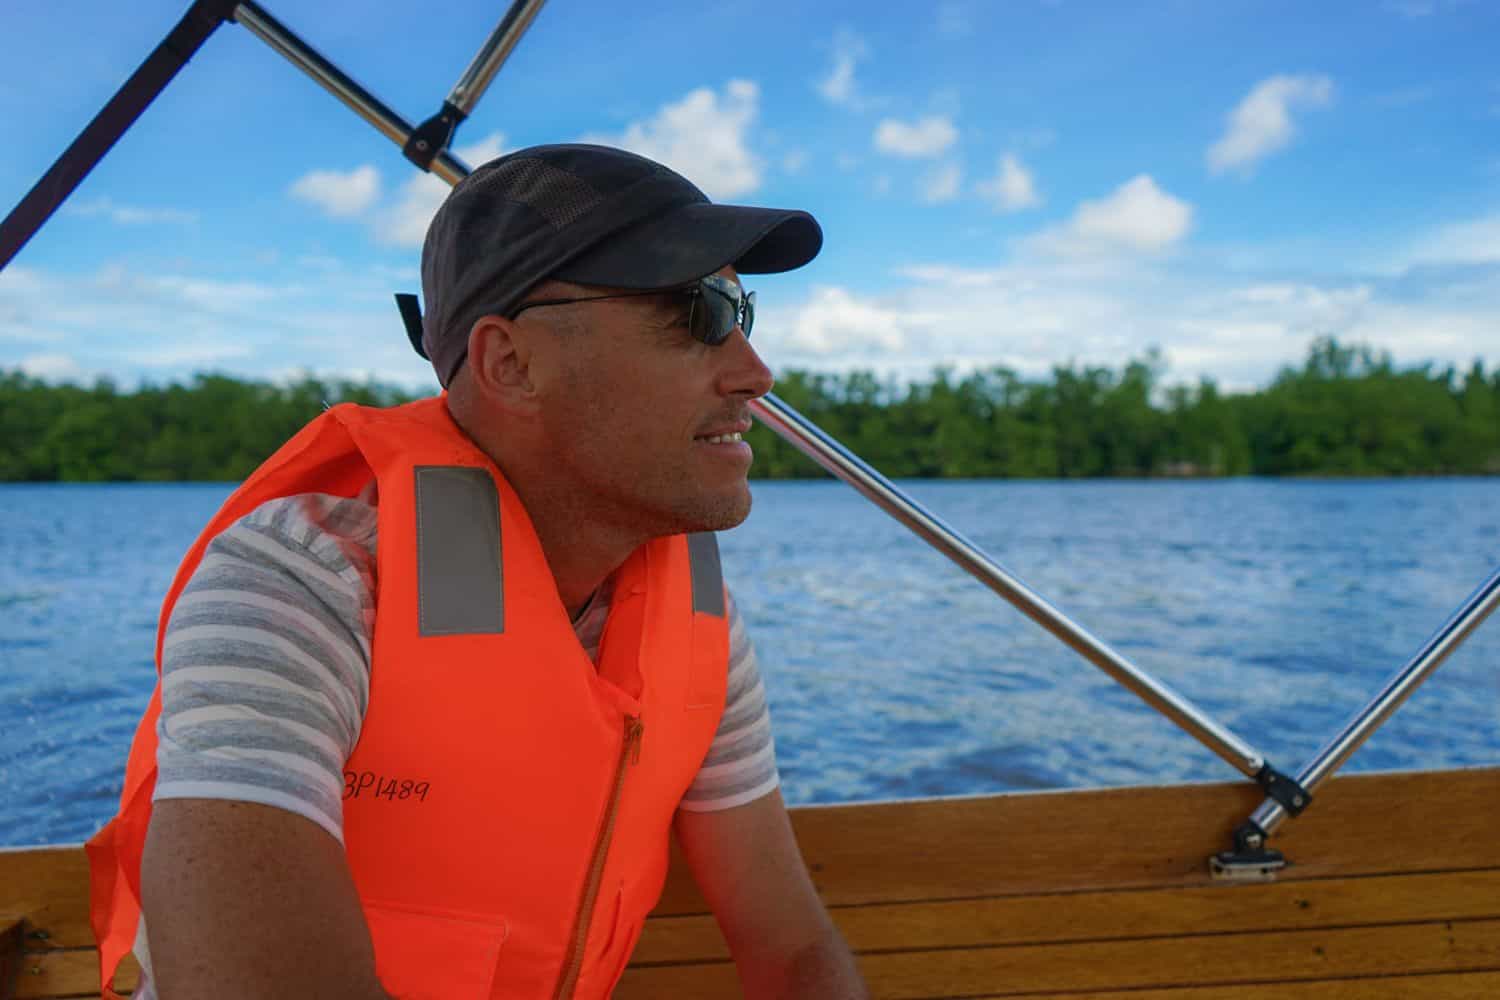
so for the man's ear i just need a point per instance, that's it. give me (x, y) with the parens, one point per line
(500, 363)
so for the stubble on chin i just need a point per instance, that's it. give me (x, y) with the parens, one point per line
(718, 513)
(731, 514)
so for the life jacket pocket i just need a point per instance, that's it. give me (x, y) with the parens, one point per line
(432, 955)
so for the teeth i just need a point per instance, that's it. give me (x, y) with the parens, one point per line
(723, 438)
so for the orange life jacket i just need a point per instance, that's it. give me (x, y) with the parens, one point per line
(508, 806)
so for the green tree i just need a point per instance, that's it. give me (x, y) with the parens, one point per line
(1347, 410)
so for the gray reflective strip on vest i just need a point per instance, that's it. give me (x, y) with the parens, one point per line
(459, 587)
(708, 575)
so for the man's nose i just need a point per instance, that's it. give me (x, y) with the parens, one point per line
(744, 373)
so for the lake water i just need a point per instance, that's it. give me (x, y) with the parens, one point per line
(1278, 606)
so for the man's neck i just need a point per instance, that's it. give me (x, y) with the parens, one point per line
(582, 548)
(580, 564)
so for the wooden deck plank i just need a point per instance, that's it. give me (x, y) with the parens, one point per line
(49, 886)
(1235, 964)
(1442, 986)
(1207, 960)
(1129, 837)
(69, 972)
(1015, 919)
(1121, 914)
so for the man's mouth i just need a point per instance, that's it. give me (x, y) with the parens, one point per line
(727, 432)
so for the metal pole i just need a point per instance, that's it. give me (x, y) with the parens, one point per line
(841, 462)
(99, 136)
(340, 85)
(492, 55)
(1434, 651)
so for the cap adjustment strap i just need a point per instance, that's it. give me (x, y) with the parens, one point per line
(411, 316)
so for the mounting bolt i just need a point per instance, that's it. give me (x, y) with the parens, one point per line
(1297, 801)
(1254, 840)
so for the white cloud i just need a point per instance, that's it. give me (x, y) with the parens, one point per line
(1261, 124)
(404, 222)
(481, 151)
(925, 137)
(836, 323)
(131, 215)
(52, 367)
(942, 184)
(955, 277)
(132, 323)
(1032, 139)
(340, 195)
(953, 20)
(794, 161)
(16, 281)
(1034, 312)
(198, 356)
(1137, 216)
(1036, 309)
(1476, 241)
(703, 137)
(1013, 188)
(839, 86)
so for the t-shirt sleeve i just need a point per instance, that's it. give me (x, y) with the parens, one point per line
(266, 659)
(741, 762)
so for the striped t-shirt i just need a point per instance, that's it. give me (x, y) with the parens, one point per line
(266, 671)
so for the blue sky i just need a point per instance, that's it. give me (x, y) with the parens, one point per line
(1024, 183)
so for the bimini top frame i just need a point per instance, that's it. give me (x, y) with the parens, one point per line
(427, 146)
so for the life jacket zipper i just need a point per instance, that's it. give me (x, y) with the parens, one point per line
(630, 753)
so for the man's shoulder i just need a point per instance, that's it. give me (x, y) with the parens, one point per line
(313, 541)
(319, 520)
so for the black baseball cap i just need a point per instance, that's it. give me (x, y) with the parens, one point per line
(588, 214)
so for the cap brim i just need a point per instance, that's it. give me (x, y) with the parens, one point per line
(690, 242)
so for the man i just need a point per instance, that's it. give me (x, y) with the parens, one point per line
(438, 681)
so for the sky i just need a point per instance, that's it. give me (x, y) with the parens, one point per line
(1018, 183)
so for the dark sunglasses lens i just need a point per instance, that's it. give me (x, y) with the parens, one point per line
(717, 311)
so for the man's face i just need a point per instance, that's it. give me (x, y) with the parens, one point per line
(639, 417)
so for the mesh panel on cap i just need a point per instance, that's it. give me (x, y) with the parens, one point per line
(558, 196)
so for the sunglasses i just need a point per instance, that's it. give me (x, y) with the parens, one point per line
(718, 306)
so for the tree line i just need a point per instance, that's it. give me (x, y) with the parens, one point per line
(1346, 411)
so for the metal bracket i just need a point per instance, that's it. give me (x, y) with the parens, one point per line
(1284, 789)
(433, 136)
(1250, 860)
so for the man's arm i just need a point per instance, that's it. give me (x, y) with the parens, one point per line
(246, 900)
(747, 864)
